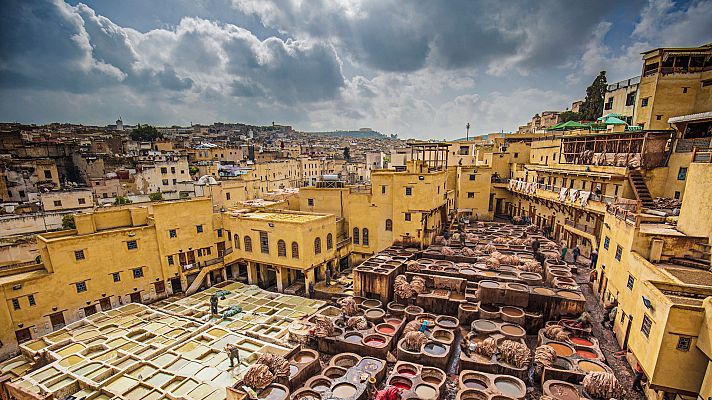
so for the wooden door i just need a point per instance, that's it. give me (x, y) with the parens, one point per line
(23, 335)
(135, 297)
(105, 304)
(160, 287)
(57, 320)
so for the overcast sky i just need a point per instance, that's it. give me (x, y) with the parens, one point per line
(417, 68)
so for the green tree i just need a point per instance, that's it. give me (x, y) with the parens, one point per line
(592, 106)
(567, 116)
(145, 133)
(158, 196)
(121, 200)
(68, 222)
(193, 170)
(347, 154)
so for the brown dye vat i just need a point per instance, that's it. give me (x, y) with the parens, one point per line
(474, 383)
(321, 385)
(371, 303)
(413, 310)
(447, 322)
(334, 372)
(472, 394)
(468, 307)
(512, 311)
(344, 360)
(562, 363)
(544, 291)
(468, 271)
(562, 350)
(304, 357)
(513, 330)
(567, 294)
(308, 395)
(432, 376)
(435, 349)
(489, 284)
(273, 393)
(590, 366)
(443, 336)
(563, 391)
(518, 287)
(489, 308)
(344, 390)
(374, 314)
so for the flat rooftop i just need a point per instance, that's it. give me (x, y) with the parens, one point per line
(660, 229)
(688, 275)
(283, 217)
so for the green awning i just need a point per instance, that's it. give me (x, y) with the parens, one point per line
(613, 121)
(567, 126)
(614, 115)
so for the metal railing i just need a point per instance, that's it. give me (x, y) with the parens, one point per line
(702, 155)
(581, 227)
(343, 242)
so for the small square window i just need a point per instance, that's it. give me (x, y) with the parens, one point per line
(132, 245)
(199, 228)
(200, 252)
(658, 117)
(310, 202)
(82, 201)
(619, 252)
(164, 182)
(470, 195)
(170, 260)
(407, 216)
(116, 277)
(644, 102)
(81, 287)
(16, 304)
(677, 195)
(227, 196)
(684, 90)
(683, 343)
(516, 155)
(137, 273)
(631, 282)
(219, 232)
(48, 174)
(58, 203)
(164, 170)
(31, 299)
(383, 189)
(472, 177)
(408, 191)
(172, 233)
(78, 255)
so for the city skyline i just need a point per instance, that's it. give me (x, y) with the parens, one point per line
(418, 70)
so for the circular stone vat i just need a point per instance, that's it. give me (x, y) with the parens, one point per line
(518, 287)
(426, 392)
(543, 291)
(435, 349)
(374, 314)
(407, 370)
(447, 322)
(393, 321)
(432, 376)
(353, 337)
(375, 340)
(320, 384)
(401, 382)
(562, 363)
(475, 381)
(334, 372)
(468, 307)
(591, 366)
(579, 341)
(530, 276)
(512, 331)
(489, 284)
(371, 303)
(510, 387)
(345, 360)
(307, 395)
(443, 336)
(344, 390)
(561, 349)
(562, 391)
(512, 312)
(413, 310)
(273, 392)
(586, 354)
(304, 357)
(386, 329)
(568, 294)
(472, 394)
(483, 326)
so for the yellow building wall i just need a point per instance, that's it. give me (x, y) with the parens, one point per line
(697, 196)
(663, 182)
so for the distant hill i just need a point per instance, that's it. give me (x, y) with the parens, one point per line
(362, 134)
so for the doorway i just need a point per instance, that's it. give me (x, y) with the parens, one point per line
(23, 335)
(57, 320)
(176, 285)
(91, 310)
(627, 332)
(105, 304)
(135, 297)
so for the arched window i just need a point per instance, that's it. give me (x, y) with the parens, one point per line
(281, 248)
(356, 236)
(237, 242)
(317, 245)
(295, 250)
(248, 243)
(389, 225)
(365, 236)
(329, 241)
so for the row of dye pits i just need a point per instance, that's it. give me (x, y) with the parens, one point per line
(200, 357)
(579, 354)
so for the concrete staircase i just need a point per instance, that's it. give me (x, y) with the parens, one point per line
(700, 257)
(197, 282)
(640, 189)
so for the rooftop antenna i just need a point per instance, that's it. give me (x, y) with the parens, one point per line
(467, 137)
